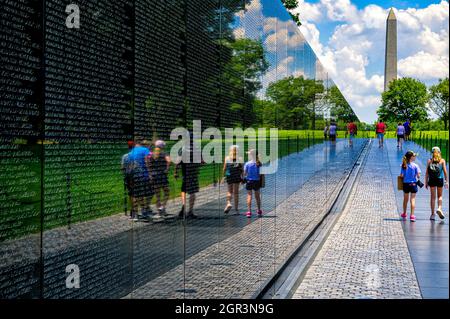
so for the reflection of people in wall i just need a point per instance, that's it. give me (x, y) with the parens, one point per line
(254, 181)
(141, 187)
(158, 166)
(190, 184)
(325, 131)
(127, 176)
(232, 172)
(332, 131)
(352, 131)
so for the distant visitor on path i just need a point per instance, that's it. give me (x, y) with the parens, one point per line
(352, 131)
(232, 172)
(400, 135)
(435, 178)
(253, 179)
(407, 126)
(325, 132)
(410, 172)
(380, 130)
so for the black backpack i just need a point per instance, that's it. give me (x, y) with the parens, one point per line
(434, 170)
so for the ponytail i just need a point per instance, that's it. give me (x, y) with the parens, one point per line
(404, 162)
(436, 157)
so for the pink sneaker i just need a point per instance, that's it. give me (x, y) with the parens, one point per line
(259, 212)
(404, 215)
(412, 218)
(248, 214)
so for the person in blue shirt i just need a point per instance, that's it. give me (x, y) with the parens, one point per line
(252, 176)
(410, 172)
(141, 189)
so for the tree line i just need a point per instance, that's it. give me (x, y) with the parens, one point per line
(409, 98)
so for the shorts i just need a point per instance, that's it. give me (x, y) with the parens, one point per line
(142, 189)
(380, 135)
(160, 180)
(400, 137)
(436, 182)
(352, 136)
(253, 186)
(233, 179)
(190, 186)
(333, 137)
(410, 188)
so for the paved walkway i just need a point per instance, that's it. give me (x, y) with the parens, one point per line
(428, 242)
(238, 266)
(366, 254)
(117, 257)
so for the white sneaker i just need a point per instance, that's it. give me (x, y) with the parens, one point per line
(440, 214)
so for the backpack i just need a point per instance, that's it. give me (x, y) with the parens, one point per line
(434, 170)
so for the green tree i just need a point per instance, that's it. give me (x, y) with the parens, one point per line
(294, 97)
(242, 75)
(405, 98)
(439, 96)
(340, 109)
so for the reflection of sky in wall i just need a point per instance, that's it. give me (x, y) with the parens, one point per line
(286, 49)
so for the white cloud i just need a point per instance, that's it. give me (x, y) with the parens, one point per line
(354, 54)
(424, 65)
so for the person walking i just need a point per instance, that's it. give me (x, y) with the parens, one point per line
(410, 173)
(435, 178)
(158, 168)
(352, 130)
(252, 177)
(325, 131)
(380, 130)
(232, 172)
(400, 135)
(407, 126)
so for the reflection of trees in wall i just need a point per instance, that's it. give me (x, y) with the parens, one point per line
(293, 98)
(340, 109)
(405, 98)
(243, 74)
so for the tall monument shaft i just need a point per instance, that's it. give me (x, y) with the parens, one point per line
(390, 68)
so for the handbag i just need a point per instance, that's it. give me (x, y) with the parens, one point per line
(400, 183)
(419, 183)
(262, 180)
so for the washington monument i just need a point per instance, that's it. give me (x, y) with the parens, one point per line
(390, 68)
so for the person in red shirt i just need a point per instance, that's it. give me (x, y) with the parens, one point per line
(380, 130)
(352, 130)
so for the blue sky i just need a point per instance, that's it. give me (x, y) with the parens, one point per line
(349, 38)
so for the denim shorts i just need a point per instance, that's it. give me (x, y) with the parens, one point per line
(410, 188)
(380, 135)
